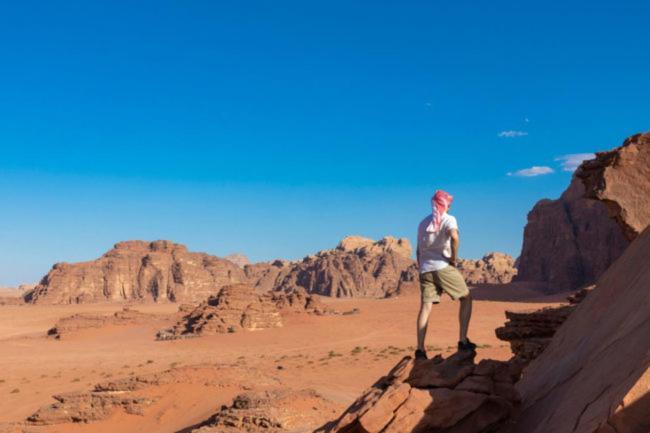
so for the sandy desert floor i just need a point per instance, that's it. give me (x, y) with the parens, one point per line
(338, 356)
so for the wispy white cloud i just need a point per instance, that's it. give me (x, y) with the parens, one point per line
(532, 171)
(512, 134)
(572, 161)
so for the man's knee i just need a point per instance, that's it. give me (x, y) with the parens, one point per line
(466, 298)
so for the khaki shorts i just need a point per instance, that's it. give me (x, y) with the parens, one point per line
(448, 280)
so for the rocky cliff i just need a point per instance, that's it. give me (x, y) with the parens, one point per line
(138, 271)
(621, 180)
(569, 242)
(163, 271)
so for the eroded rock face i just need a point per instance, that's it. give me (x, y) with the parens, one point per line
(236, 307)
(158, 271)
(620, 179)
(441, 395)
(597, 356)
(569, 242)
(530, 332)
(358, 267)
(274, 411)
(493, 268)
(85, 407)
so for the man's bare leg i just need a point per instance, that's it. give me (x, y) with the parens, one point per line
(464, 315)
(423, 321)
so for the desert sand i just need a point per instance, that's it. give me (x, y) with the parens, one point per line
(337, 356)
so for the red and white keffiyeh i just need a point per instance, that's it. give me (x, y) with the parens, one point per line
(440, 202)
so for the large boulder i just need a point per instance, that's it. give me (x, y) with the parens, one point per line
(160, 271)
(620, 179)
(569, 242)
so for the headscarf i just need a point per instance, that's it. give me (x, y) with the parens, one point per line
(440, 202)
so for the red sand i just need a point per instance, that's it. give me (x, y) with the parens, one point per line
(314, 352)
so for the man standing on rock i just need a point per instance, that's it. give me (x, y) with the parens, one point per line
(437, 254)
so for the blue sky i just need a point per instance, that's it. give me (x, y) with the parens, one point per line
(276, 128)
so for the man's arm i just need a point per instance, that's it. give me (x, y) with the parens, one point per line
(455, 243)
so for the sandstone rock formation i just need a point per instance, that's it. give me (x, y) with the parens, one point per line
(620, 179)
(266, 276)
(441, 395)
(569, 242)
(274, 411)
(493, 268)
(597, 356)
(103, 401)
(530, 332)
(70, 325)
(356, 268)
(236, 307)
(238, 259)
(138, 271)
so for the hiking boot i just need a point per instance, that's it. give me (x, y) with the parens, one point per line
(467, 345)
(420, 355)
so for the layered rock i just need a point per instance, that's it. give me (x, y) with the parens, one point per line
(620, 179)
(235, 308)
(358, 267)
(597, 356)
(569, 242)
(492, 268)
(158, 271)
(95, 405)
(77, 322)
(530, 332)
(441, 395)
(274, 411)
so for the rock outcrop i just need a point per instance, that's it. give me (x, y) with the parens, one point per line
(597, 356)
(441, 395)
(77, 322)
(274, 411)
(530, 332)
(95, 405)
(621, 180)
(569, 242)
(493, 268)
(358, 267)
(158, 271)
(238, 259)
(234, 308)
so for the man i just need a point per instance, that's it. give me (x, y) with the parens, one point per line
(437, 254)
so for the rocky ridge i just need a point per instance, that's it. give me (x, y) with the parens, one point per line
(138, 271)
(70, 325)
(273, 411)
(441, 395)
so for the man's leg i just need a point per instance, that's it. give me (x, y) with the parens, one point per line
(464, 315)
(423, 321)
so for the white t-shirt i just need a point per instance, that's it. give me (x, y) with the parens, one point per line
(435, 248)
